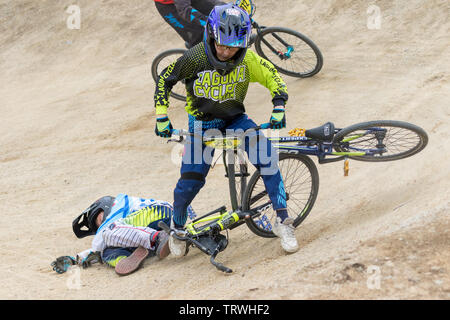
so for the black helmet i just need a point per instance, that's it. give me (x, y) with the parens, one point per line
(86, 220)
(231, 26)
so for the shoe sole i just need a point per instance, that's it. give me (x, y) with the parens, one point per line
(163, 249)
(175, 253)
(132, 263)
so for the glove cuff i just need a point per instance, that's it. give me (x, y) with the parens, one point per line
(162, 119)
(161, 110)
(279, 102)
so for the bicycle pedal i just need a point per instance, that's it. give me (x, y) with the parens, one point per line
(297, 132)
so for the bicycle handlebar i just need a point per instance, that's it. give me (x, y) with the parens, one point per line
(182, 132)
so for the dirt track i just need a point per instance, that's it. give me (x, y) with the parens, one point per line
(78, 120)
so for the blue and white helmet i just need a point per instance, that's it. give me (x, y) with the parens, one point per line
(231, 26)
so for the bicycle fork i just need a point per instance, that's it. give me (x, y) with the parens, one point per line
(211, 244)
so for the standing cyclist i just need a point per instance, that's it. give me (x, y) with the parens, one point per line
(217, 73)
(187, 17)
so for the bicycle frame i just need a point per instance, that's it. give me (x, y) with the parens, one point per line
(205, 231)
(322, 149)
(213, 223)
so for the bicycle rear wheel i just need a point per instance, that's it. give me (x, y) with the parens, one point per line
(384, 140)
(162, 61)
(301, 182)
(291, 52)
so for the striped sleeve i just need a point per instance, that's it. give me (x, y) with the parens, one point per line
(181, 69)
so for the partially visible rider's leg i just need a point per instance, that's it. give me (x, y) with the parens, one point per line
(189, 32)
(265, 158)
(194, 170)
(185, 191)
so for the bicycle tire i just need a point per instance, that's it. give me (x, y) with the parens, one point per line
(253, 197)
(302, 43)
(238, 183)
(178, 91)
(402, 140)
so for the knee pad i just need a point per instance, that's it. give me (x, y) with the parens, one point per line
(190, 184)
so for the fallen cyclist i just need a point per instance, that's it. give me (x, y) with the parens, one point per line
(125, 233)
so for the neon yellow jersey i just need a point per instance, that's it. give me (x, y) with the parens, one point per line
(147, 215)
(212, 96)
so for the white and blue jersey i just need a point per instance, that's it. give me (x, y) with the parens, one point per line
(131, 223)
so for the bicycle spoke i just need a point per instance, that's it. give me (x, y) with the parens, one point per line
(299, 187)
(382, 140)
(397, 140)
(303, 57)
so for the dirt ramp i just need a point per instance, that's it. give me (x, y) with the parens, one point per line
(78, 120)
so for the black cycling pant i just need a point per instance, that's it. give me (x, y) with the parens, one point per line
(191, 33)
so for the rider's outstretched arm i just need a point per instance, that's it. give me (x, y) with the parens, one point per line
(264, 72)
(181, 69)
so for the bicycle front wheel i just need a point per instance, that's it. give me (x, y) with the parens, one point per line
(237, 176)
(291, 52)
(301, 182)
(383, 140)
(162, 61)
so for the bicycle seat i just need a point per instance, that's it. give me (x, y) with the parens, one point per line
(324, 132)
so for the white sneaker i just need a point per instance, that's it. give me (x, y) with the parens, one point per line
(285, 231)
(177, 247)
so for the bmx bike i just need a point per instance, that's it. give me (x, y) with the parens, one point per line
(374, 141)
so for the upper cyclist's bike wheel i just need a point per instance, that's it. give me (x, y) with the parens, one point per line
(383, 140)
(301, 183)
(291, 52)
(162, 61)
